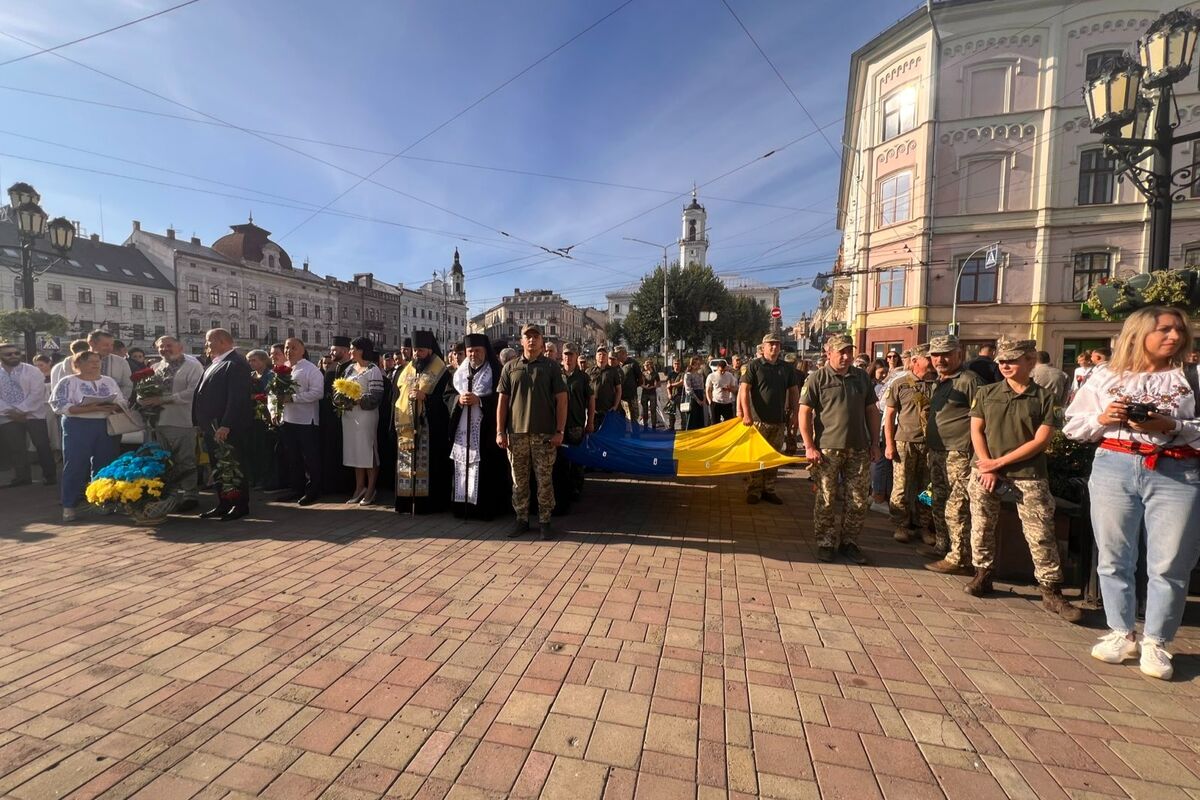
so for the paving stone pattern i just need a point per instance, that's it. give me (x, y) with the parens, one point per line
(676, 643)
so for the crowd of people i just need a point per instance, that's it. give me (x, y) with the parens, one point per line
(479, 430)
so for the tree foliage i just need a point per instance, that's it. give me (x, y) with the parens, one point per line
(614, 331)
(694, 288)
(15, 323)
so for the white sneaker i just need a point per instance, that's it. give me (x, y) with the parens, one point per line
(1114, 647)
(1156, 661)
(68, 515)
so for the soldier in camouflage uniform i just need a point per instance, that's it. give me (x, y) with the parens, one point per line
(906, 414)
(767, 388)
(839, 421)
(1012, 423)
(948, 436)
(530, 421)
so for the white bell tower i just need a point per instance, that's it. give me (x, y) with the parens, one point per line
(693, 240)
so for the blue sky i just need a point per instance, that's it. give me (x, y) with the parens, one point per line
(658, 96)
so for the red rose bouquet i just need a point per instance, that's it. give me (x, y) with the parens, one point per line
(261, 412)
(282, 385)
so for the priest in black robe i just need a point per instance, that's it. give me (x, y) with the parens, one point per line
(335, 478)
(422, 424)
(482, 485)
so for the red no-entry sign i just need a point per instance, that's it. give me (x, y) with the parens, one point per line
(776, 312)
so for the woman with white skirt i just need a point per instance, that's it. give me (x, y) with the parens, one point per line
(360, 421)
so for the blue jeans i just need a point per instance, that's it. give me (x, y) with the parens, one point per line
(87, 448)
(1128, 498)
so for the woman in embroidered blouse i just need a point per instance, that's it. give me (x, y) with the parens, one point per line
(1146, 474)
(87, 447)
(360, 445)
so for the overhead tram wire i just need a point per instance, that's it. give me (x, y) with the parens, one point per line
(98, 34)
(836, 152)
(406, 157)
(460, 113)
(289, 148)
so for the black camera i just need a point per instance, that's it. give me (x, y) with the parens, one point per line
(1140, 412)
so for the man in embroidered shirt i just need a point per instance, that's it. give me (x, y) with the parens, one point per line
(23, 398)
(300, 432)
(1012, 423)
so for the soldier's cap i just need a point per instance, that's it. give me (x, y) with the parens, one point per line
(838, 342)
(570, 347)
(920, 351)
(943, 344)
(906, 354)
(530, 327)
(1014, 349)
(620, 349)
(772, 337)
(602, 348)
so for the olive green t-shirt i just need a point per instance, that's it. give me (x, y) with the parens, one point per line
(950, 412)
(840, 404)
(909, 396)
(1011, 420)
(579, 391)
(605, 381)
(532, 388)
(631, 379)
(769, 385)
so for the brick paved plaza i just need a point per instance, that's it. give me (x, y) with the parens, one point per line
(675, 643)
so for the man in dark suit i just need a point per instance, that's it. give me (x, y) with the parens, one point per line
(223, 411)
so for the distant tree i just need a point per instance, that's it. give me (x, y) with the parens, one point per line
(692, 289)
(614, 331)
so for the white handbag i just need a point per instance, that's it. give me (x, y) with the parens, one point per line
(123, 422)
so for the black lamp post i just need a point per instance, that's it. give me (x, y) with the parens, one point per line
(1131, 103)
(31, 226)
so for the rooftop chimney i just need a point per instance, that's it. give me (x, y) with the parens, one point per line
(306, 265)
(170, 233)
(95, 237)
(196, 240)
(137, 225)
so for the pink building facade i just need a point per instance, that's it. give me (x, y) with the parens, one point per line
(965, 126)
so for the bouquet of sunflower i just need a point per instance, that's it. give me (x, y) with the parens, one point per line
(282, 385)
(346, 393)
(147, 384)
(132, 482)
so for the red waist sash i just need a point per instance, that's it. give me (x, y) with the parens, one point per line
(1148, 451)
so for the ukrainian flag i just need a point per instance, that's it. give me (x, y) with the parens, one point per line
(726, 449)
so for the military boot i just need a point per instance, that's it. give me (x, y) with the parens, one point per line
(981, 584)
(1054, 602)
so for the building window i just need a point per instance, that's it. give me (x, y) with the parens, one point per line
(194, 325)
(291, 307)
(988, 87)
(1089, 270)
(978, 284)
(1099, 61)
(216, 323)
(889, 288)
(304, 309)
(54, 291)
(329, 314)
(273, 334)
(214, 296)
(160, 304)
(881, 349)
(894, 198)
(234, 300)
(271, 261)
(291, 333)
(899, 112)
(253, 331)
(234, 330)
(304, 334)
(139, 332)
(318, 336)
(137, 301)
(112, 299)
(272, 303)
(984, 187)
(193, 293)
(159, 330)
(252, 299)
(1191, 256)
(317, 311)
(1096, 173)
(358, 313)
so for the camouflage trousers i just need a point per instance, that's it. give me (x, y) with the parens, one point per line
(763, 481)
(851, 469)
(1035, 507)
(950, 472)
(532, 451)
(910, 477)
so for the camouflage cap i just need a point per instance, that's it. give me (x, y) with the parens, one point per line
(602, 348)
(906, 354)
(1013, 349)
(943, 344)
(530, 327)
(771, 337)
(620, 349)
(838, 342)
(920, 351)
(570, 347)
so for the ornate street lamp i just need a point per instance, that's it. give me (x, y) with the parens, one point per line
(31, 226)
(1131, 104)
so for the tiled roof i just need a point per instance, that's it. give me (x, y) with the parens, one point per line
(99, 261)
